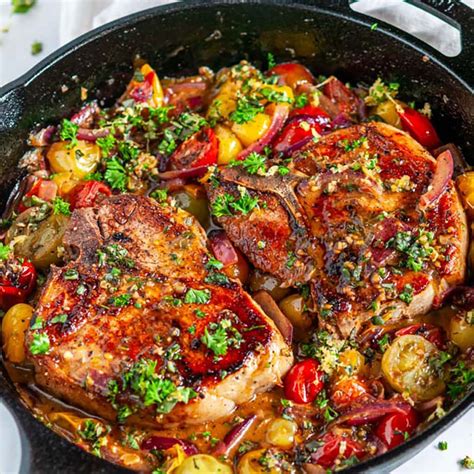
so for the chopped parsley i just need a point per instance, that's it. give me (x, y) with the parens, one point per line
(379, 91)
(443, 445)
(36, 48)
(69, 132)
(247, 109)
(275, 96)
(115, 174)
(417, 249)
(153, 388)
(93, 431)
(71, 274)
(60, 206)
(301, 100)
(121, 301)
(218, 337)
(22, 6)
(159, 194)
(253, 164)
(461, 378)
(374, 26)
(60, 318)
(106, 144)
(5, 251)
(114, 254)
(271, 60)
(217, 278)
(193, 296)
(407, 294)
(214, 264)
(225, 204)
(245, 204)
(39, 344)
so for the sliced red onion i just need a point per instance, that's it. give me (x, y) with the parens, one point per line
(43, 137)
(86, 114)
(222, 248)
(441, 179)
(372, 411)
(188, 173)
(342, 121)
(163, 443)
(460, 163)
(231, 439)
(92, 134)
(278, 119)
(275, 314)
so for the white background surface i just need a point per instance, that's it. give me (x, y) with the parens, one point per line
(55, 22)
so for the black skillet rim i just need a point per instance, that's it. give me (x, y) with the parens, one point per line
(338, 9)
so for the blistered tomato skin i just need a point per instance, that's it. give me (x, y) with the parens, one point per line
(394, 429)
(304, 381)
(335, 447)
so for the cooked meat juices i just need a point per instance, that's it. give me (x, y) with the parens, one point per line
(241, 272)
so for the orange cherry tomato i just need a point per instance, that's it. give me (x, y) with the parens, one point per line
(346, 390)
(291, 74)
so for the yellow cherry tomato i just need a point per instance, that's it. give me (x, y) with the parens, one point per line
(465, 184)
(229, 145)
(352, 362)
(281, 433)
(406, 367)
(293, 307)
(251, 131)
(79, 160)
(461, 329)
(65, 181)
(202, 463)
(225, 101)
(14, 324)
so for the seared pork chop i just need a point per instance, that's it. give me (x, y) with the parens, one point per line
(140, 323)
(348, 221)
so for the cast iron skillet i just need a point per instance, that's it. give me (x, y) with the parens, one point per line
(326, 35)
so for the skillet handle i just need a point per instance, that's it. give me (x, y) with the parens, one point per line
(452, 12)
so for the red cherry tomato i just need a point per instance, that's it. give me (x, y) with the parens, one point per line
(327, 454)
(300, 130)
(16, 285)
(291, 74)
(85, 194)
(42, 188)
(391, 430)
(310, 110)
(347, 390)
(419, 127)
(304, 381)
(200, 149)
(432, 333)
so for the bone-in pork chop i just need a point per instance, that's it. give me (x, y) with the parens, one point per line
(367, 217)
(142, 326)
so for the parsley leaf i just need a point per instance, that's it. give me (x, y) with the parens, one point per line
(22, 6)
(271, 60)
(115, 174)
(193, 296)
(36, 47)
(216, 337)
(301, 100)
(60, 206)
(39, 344)
(247, 109)
(5, 251)
(69, 132)
(253, 164)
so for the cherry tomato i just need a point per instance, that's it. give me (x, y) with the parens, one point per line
(200, 149)
(304, 381)
(430, 332)
(346, 390)
(310, 110)
(43, 189)
(85, 194)
(327, 454)
(391, 430)
(291, 74)
(147, 89)
(346, 101)
(300, 130)
(419, 127)
(16, 283)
